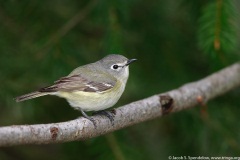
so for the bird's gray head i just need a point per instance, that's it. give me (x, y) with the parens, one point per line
(116, 65)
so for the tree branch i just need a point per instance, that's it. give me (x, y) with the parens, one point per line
(184, 97)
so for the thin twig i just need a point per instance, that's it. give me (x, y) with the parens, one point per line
(77, 18)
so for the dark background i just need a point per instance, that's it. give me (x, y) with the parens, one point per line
(175, 42)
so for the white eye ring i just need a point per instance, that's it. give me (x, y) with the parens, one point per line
(115, 67)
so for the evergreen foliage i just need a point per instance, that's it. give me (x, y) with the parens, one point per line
(217, 28)
(43, 40)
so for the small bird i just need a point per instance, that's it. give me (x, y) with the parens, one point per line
(92, 87)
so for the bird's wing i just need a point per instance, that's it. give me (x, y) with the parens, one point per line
(93, 82)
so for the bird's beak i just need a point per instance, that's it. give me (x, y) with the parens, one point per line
(130, 61)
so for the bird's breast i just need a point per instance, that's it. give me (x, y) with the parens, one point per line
(94, 101)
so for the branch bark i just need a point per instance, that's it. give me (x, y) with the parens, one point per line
(187, 96)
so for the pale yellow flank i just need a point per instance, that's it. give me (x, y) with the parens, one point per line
(94, 101)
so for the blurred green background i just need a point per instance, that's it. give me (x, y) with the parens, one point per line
(175, 42)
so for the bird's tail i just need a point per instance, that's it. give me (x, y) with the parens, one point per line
(30, 96)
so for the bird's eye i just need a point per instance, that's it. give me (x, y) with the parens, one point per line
(114, 67)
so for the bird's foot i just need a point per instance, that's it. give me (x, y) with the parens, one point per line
(109, 115)
(89, 118)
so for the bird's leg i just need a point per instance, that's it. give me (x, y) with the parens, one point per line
(89, 118)
(107, 114)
